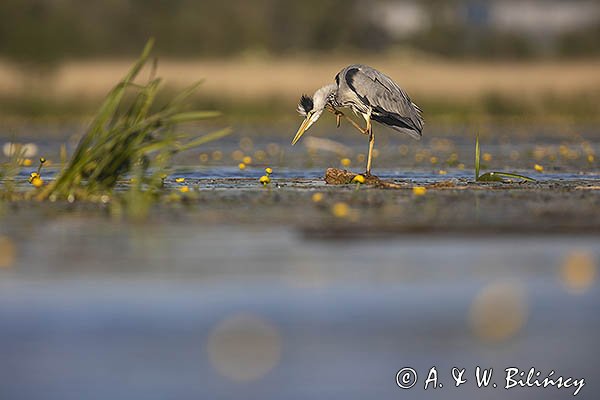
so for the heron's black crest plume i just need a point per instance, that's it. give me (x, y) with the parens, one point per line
(306, 105)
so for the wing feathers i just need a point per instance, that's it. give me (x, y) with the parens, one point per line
(389, 103)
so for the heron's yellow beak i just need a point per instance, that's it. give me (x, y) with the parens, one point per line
(310, 119)
(305, 125)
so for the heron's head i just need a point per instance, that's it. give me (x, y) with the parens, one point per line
(311, 108)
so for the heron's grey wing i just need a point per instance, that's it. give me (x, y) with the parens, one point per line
(390, 104)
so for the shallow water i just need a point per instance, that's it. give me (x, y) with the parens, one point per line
(252, 292)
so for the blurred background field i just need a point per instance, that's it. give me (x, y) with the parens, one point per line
(461, 60)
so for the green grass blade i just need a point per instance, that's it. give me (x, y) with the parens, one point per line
(515, 176)
(205, 139)
(499, 177)
(490, 177)
(193, 116)
(477, 157)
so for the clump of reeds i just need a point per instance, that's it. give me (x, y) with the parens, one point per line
(129, 135)
(9, 170)
(494, 176)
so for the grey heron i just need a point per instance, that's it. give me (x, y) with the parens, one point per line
(369, 93)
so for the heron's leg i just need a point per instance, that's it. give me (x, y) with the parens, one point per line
(338, 114)
(371, 143)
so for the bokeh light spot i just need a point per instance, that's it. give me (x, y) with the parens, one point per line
(499, 312)
(578, 271)
(244, 347)
(8, 252)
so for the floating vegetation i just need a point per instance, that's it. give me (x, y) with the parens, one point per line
(130, 135)
(266, 179)
(494, 176)
(36, 178)
(359, 179)
(538, 168)
(419, 190)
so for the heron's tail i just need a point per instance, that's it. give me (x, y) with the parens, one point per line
(412, 126)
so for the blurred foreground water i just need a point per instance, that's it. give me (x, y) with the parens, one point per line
(95, 310)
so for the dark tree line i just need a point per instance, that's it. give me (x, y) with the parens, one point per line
(46, 31)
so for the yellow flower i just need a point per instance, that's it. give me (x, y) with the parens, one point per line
(487, 157)
(37, 182)
(265, 179)
(442, 172)
(433, 160)
(538, 168)
(179, 180)
(184, 189)
(317, 197)
(33, 176)
(269, 170)
(203, 157)
(590, 158)
(419, 190)
(247, 160)
(340, 210)
(242, 166)
(358, 179)
(27, 162)
(461, 166)
(345, 162)
(42, 160)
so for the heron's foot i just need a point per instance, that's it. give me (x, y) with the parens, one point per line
(338, 114)
(334, 110)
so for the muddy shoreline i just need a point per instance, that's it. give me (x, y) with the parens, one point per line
(446, 207)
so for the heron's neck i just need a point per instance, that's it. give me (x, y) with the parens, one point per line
(324, 95)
